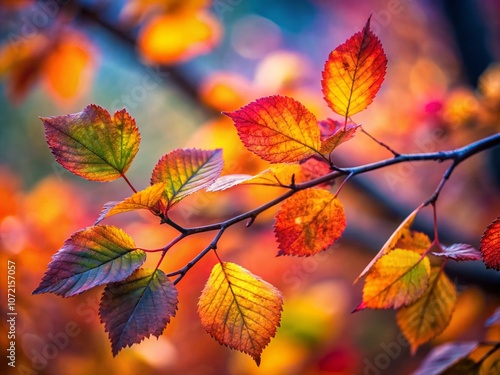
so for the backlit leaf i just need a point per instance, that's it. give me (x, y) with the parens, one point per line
(354, 73)
(333, 134)
(239, 309)
(413, 240)
(144, 199)
(397, 279)
(403, 228)
(185, 171)
(309, 222)
(92, 144)
(490, 245)
(137, 307)
(459, 252)
(430, 314)
(90, 257)
(278, 129)
(445, 356)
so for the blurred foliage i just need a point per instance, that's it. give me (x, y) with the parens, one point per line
(57, 58)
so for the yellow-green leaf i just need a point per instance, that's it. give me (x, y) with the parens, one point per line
(239, 309)
(428, 316)
(403, 228)
(397, 279)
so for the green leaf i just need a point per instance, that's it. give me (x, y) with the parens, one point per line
(92, 144)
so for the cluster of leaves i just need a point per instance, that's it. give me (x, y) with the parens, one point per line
(237, 308)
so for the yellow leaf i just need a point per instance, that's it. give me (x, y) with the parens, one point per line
(428, 316)
(413, 240)
(144, 199)
(239, 309)
(397, 279)
(404, 227)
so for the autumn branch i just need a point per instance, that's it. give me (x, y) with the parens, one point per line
(456, 155)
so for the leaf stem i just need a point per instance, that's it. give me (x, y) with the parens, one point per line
(128, 182)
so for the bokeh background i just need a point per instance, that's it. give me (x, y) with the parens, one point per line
(175, 65)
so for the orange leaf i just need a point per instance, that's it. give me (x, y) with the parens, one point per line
(490, 245)
(403, 228)
(278, 129)
(239, 309)
(172, 38)
(397, 279)
(430, 314)
(144, 199)
(354, 73)
(309, 222)
(333, 134)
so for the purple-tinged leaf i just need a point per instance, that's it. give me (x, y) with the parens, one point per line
(443, 357)
(90, 257)
(137, 307)
(459, 252)
(494, 319)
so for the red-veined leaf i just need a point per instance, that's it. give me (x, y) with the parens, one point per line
(397, 279)
(137, 307)
(144, 199)
(309, 222)
(278, 129)
(92, 144)
(490, 245)
(239, 309)
(333, 134)
(428, 316)
(91, 257)
(445, 356)
(403, 228)
(354, 73)
(185, 171)
(459, 252)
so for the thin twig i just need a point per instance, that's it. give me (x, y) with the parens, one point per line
(396, 154)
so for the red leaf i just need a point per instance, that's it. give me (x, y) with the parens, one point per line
(333, 134)
(137, 307)
(278, 129)
(459, 252)
(354, 73)
(490, 245)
